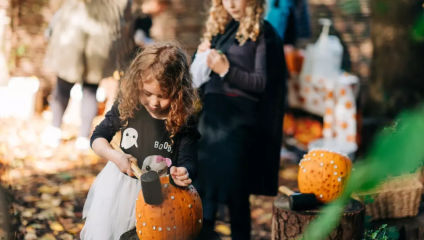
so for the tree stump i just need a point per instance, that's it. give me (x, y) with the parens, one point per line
(287, 224)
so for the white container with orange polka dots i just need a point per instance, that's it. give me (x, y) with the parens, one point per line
(339, 131)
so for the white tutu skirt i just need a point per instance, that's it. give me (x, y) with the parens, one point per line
(110, 206)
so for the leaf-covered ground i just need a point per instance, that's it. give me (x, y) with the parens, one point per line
(47, 188)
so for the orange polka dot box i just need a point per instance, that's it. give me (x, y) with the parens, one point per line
(324, 173)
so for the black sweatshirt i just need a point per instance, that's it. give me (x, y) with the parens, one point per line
(147, 139)
(246, 76)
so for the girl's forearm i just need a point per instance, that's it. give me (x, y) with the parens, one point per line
(103, 149)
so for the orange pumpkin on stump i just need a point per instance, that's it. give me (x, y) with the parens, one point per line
(177, 215)
(323, 173)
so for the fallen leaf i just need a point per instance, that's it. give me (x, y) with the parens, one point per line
(223, 229)
(58, 211)
(55, 226)
(258, 202)
(30, 229)
(66, 190)
(257, 212)
(267, 205)
(24, 222)
(80, 225)
(46, 196)
(66, 222)
(43, 215)
(74, 230)
(265, 218)
(66, 236)
(56, 202)
(30, 236)
(289, 174)
(48, 236)
(69, 213)
(47, 189)
(36, 226)
(28, 212)
(263, 233)
(31, 198)
(43, 204)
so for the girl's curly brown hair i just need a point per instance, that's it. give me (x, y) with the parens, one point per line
(168, 64)
(250, 24)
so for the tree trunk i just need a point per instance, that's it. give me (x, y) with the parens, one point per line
(397, 69)
(287, 224)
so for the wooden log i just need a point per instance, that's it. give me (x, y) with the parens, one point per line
(287, 224)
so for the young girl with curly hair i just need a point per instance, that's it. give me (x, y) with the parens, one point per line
(243, 108)
(154, 112)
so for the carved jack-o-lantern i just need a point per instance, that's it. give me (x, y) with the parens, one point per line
(323, 173)
(178, 215)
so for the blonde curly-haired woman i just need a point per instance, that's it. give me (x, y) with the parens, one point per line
(241, 121)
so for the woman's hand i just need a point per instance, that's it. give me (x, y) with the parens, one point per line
(218, 62)
(180, 176)
(123, 162)
(204, 46)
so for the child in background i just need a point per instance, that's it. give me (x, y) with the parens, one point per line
(240, 123)
(142, 25)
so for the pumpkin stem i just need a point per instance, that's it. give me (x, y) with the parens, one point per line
(151, 188)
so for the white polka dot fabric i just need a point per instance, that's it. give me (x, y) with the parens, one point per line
(334, 102)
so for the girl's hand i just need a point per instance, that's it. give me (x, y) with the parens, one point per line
(180, 176)
(204, 46)
(123, 162)
(218, 62)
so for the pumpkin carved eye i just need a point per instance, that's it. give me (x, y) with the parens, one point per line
(148, 168)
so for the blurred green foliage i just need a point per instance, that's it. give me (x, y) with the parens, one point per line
(382, 233)
(350, 6)
(418, 30)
